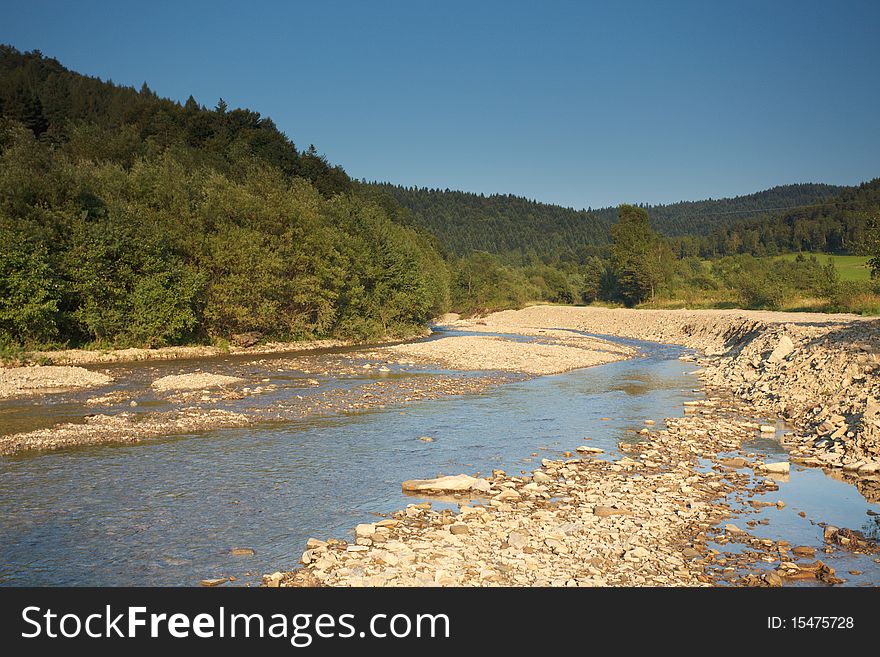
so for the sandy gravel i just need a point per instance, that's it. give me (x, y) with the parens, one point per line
(194, 381)
(15, 381)
(87, 356)
(555, 354)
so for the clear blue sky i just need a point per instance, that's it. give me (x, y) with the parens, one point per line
(582, 104)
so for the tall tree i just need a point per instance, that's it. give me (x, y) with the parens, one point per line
(638, 255)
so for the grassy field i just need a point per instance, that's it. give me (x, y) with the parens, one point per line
(850, 268)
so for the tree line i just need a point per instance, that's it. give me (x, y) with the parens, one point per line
(131, 220)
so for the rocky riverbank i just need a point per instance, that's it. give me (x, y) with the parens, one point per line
(820, 373)
(652, 517)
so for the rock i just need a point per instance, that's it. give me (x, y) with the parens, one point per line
(459, 529)
(605, 511)
(636, 553)
(830, 532)
(507, 494)
(781, 467)
(772, 579)
(733, 529)
(585, 449)
(426, 439)
(540, 477)
(690, 553)
(314, 543)
(246, 339)
(448, 484)
(733, 463)
(365, 530)
(767, 428)
(273, 580)
(241, 552)
(804, 551)
(517, 540)
(214, 582)
(783, 348)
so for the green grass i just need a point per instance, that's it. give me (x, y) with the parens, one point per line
(850, 267)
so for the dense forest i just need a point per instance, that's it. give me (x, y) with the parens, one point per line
(130, 219)
(837, 225)
(514, 227)
(127, 219)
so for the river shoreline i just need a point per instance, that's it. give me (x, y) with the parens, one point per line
(653, 516)
(201, 400)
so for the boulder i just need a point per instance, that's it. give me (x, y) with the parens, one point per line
(448, 484)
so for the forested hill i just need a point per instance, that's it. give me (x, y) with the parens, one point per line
(516, 226)
(131, 220)
(52, 101)
(702, 217)
(837, 225)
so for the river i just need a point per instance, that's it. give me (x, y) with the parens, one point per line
(169, 511)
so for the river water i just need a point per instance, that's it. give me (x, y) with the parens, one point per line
(168, 511)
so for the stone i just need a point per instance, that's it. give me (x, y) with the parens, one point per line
(214, 582)
(585, 449)
(273, 580)
(804, 551)
(783, 348)
(365, 530)
(638, 552)
(448, 484)
(540, 477)
(426, 439)
(517, 540)
(605, 511)
(241, 552)
(772, 579)
(459, 529)
(781, 467)
(733, 529)
(767, 428)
